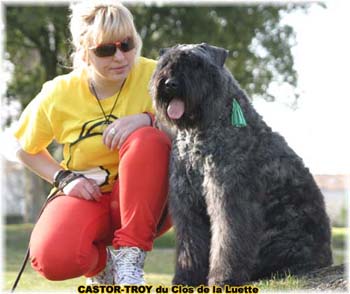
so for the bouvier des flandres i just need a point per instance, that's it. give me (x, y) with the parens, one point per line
(243, 204)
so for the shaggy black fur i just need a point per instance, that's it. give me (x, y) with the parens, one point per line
(244, 205)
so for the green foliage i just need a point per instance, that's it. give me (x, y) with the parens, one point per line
(36, 41)
(260, 46)
(166, 241)
(342, 218)
(339, 235)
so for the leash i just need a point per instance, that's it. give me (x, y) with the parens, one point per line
(66, 179)
(54, 194)
(61, 179)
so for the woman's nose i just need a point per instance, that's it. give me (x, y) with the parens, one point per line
(119, 55)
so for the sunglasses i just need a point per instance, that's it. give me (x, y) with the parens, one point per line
(109, 49)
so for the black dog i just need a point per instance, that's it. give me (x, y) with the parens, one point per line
(244, 205)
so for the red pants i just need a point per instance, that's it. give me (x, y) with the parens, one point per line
(70, 238)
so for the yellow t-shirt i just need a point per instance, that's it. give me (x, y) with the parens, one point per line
(65, 110)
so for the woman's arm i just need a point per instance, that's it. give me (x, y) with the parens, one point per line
(45, 166)
(42, 163)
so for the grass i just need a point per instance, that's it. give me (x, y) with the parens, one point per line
(339, 236)
(285, 284)
(159, 265)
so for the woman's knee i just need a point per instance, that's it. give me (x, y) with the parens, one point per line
(61, 245)
(147, 136)
(47, 261)
(58, 262)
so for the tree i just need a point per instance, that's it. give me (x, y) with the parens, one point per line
(260, 46)
(36, 41)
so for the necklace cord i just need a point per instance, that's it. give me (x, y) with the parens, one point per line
(107, 118)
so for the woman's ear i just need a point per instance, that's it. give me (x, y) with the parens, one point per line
(84, 52)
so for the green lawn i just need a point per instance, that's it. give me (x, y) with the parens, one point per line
(159, 266)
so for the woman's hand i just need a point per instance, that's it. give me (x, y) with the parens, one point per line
(83, 188)
(118, 131)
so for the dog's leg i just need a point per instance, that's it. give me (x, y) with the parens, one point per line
(235, 236)
(192, 251)
(192, 227)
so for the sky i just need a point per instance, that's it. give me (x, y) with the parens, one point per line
(318, 129)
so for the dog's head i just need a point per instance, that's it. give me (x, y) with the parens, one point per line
(185, 81)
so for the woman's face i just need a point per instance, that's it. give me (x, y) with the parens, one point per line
(112, 68)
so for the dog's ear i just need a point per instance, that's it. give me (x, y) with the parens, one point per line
(223, 55)
(218, 54)
(162, 51)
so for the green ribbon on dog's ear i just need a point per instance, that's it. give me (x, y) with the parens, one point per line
(237, 117)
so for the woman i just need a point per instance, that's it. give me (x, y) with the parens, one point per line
(114, 172)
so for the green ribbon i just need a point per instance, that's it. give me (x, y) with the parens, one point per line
(237, 117)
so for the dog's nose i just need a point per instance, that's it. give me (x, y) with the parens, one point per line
(171, 84)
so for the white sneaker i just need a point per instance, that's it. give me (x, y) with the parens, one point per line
(128, 266)
(106, 276)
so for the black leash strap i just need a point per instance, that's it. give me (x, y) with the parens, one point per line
(52, 196)
(24, 263)
(61, 179)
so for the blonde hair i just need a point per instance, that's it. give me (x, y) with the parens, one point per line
(96, 22)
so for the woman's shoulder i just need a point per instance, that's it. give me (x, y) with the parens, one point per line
(61, 85)
(147, 61)
(69, 80)
(144, 63)
(143, 69)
